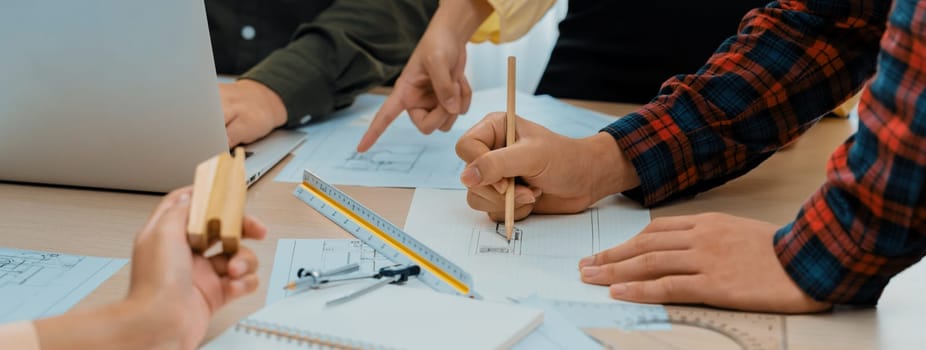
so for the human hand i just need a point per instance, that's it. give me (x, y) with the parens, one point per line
(560, 174)
(432, 87)
(252, 110)
(178, 289)
(714, 259)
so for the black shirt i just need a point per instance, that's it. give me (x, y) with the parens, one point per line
(623, 51)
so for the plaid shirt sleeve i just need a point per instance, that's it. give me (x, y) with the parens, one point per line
(868, 221)
(791, 62)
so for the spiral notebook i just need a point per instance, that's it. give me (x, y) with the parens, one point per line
(391, 317)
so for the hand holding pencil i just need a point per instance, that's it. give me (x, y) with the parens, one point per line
(557, 174)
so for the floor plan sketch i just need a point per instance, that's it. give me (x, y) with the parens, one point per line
(541, 237)
(34, 268)
(36, 284)
(544, 254)
(403, 157)
(391, 158)
(323, 254)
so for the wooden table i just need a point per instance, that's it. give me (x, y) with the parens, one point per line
(103, 223)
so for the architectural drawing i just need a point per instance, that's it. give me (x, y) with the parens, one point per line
(36, 269)
(392, 158)
(37, 284)
(577, 238)
(542, 260)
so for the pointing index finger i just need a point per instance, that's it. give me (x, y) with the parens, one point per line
(384, 116)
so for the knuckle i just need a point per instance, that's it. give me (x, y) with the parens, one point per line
(670, 287)
(609, 272)
(641, 244)
(648, 264)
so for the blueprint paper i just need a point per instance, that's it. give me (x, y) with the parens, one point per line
(37, 284)
(403, 156)
(543, 258)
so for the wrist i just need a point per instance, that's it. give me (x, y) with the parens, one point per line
(461, 17)
(611, 171)
(270, 100)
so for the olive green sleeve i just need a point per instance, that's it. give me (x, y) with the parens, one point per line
(351, 47)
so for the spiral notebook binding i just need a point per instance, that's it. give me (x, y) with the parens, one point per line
(299, 336)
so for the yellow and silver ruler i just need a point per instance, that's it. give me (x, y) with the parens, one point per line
(387, 239)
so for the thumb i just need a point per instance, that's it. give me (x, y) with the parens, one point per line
(512, 161)
(445, 86)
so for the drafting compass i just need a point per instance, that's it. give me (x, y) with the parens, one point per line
(313, 278)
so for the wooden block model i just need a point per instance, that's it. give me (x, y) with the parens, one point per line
(217, 205)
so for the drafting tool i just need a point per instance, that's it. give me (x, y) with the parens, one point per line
(217, 205)
(749, 331)
(510, 123)
(386, 275)
(312, 278)
(384, 237)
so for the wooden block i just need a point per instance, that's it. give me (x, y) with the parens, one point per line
(217, 205)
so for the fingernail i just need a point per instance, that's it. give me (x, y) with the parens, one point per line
(537, 192)
(590, 271)
(185, 197)
(471, 176)
(586, 261)
(618, 289)
(500, 186)
(524, 198)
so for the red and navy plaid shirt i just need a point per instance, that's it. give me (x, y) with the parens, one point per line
(791, 62)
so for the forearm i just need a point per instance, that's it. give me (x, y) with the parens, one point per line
(115, 326)
(792, 62)
(868, 222)
(342, 54)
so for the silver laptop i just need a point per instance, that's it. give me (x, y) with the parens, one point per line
(117, 94)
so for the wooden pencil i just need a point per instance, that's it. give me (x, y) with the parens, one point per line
(509, 140)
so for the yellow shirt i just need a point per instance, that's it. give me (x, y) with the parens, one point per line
(511, 19)
(19, 336)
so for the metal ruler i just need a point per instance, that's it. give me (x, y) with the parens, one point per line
(749, 331)
(437, 271)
